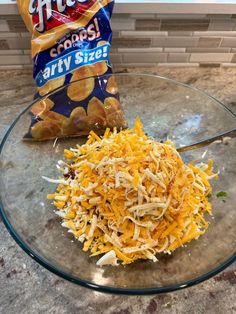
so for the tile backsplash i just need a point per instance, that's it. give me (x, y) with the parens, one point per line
(143, 39)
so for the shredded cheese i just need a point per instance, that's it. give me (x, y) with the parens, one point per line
(129, 197)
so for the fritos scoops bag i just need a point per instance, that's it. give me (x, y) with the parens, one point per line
(71, 41)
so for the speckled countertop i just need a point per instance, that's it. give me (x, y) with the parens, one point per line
(27, 287)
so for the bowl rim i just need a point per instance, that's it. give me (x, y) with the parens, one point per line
(87, 283)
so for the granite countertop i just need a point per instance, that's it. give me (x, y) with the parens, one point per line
(26, 287)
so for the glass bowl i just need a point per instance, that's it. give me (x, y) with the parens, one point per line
(167, 109)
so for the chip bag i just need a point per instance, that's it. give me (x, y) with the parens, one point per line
(70, 42)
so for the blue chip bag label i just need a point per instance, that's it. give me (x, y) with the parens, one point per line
(67, 63)
(70, 44)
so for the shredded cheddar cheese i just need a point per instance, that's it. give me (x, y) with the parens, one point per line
(128, 197)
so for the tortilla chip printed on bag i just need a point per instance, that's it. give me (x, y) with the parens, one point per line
(70, 44)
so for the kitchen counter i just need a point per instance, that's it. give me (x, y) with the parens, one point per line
(26, 287)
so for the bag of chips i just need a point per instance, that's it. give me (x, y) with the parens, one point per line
(70, 42)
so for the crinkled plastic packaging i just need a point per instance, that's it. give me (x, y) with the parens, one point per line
(70, 42)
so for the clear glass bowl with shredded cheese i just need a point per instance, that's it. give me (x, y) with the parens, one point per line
(131, 203)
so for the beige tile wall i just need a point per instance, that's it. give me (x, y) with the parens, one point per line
(144, 39)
